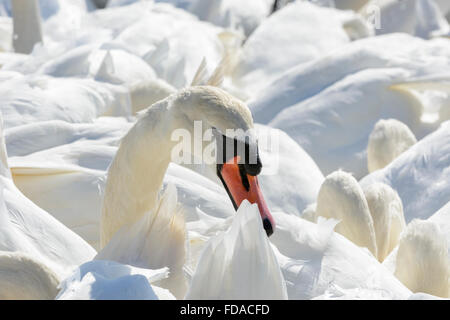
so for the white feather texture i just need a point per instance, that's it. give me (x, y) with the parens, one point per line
(420, 175)
(155, 241)
(314, 260)
(22, 277)
(422, 262)
(26, 228)
(386, 210)
(342, 198)
(239, 263)
(388, 140)
(108, 280)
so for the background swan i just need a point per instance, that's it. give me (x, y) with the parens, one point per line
(27, 25)
(421, 197)
(386, 210)
(332, 117)
(421, 261)
(44, 257)
(108, 280)
(341, 198)
(389, 138)
(25, 278)
(313, 259)
(370, 217)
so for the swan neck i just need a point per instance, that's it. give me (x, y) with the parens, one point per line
(136, 174)
(26, 25)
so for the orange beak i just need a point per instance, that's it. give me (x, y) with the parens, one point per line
(241, 186)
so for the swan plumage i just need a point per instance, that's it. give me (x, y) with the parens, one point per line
(388, 139)
(49, 248)
(320, 113)
(386, 210)
(313, 258)
(122, 66)
(421, 197)
(132, 206)
(263, 60)
(23, 277)
(341, 198)
(109, 280)
(231, 256)
(421, 260)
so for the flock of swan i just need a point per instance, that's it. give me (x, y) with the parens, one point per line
(351, 200)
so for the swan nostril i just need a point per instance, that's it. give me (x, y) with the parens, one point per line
(268, 227)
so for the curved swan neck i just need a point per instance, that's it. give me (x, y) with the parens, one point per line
(26, 25)
(136, 174)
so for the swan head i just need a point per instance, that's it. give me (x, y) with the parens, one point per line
(230, 122)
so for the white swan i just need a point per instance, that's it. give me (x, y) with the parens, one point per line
(340, 197)
(24, 278)
(386, 210)
(426, 159)
(31, 98)
(319, 112)
(389, 139)
(371, 217)
(26, 25)
(48, 250)
(421, 261)
(131, 206)
(315, 260)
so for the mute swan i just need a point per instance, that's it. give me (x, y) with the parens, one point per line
(146, 93)
(340, 197)
(420, 175)
(24, 278)
(51, 160)
(131, 207)
(314, 260)
(269, 51)
(422, 262)
(48, 250)
(386, 210)
(389, 138)
(319, 112)
(370, 217)
(234, 15)
(417, 17)
(442, 218)
(27, 25)
(28, 99)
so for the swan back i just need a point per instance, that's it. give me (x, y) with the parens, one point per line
(422, 261)
(386, 210)
(388, 140)
(341, 197)
(25, 278)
